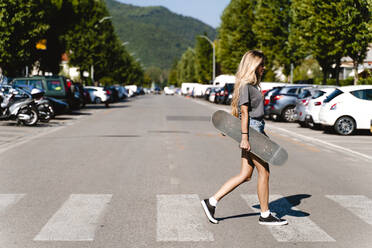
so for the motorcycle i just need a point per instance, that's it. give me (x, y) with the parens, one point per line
(46, 112)
(24, 110)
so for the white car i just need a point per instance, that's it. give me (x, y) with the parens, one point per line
(307, 109)
(97, 94)
(168, 91)
(348, 108)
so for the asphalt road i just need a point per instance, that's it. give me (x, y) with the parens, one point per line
(133, 175)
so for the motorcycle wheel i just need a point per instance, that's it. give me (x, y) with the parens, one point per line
(34, 116)
(49, 113)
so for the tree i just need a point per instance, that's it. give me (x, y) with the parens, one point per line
(186, 67)
(204, 60)
(356, 33)
(172, 77)
(22, 26)
(271, 27)
(236, 36)
(325, 29)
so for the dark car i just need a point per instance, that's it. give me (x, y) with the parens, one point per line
(224, 96)
(58, 87)
(83, 95)
(283, 102)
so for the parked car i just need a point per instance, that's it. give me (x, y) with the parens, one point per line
(168, 91)
(283, 102)
(58, 87)
(310, 113)
(267, 96)
(213, 94)
(224, 96)
(97, 94)
(347, 109)
(302, 103)
(122, 92)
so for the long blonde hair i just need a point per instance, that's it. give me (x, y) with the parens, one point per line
(246, 74)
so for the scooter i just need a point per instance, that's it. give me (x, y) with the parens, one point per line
(46, 112)
(24, 111)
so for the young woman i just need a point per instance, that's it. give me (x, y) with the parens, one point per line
(247, 103)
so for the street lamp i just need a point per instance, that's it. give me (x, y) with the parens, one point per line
(96, 26)
(214, 54)
(102, 20)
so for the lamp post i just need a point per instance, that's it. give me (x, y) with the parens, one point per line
(214, 55)
(96, 26)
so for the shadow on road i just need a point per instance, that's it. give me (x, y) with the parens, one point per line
(100, 106)
(282, 207)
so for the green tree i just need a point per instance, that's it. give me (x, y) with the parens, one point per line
(186, 67)
(22, 26)
(172, 78)
(357, 31)
(271, 28)
(318, 30)
(235, 34)
(204, 60)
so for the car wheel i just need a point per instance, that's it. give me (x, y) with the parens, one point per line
(97, 100)
(345, 125)
(288, 114)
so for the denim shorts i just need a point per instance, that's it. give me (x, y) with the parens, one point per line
(258, 125)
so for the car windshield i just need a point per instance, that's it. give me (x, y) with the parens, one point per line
(54, 85)
(333, 95)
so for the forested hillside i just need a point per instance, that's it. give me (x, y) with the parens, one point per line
(155, 35)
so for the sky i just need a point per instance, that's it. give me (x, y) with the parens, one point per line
(208, 11)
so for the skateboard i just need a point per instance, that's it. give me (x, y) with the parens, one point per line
(261, 145)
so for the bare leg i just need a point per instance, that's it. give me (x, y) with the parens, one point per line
(244, 175)
(262, 182)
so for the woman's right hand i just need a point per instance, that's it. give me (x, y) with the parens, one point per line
(244, 144)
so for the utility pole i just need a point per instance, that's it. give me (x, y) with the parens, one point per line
(214, 55)
(96, 26)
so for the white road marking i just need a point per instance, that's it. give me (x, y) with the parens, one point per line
(181, 218)
(326, 144)
(76, 220)
(299, 229)
(359, 205)
(7, 200)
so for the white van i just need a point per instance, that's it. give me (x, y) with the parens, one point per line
(186, 88)
(223, 79)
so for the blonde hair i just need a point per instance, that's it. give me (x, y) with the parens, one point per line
(246, 74)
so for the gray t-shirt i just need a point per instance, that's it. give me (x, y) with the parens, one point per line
(251, 96)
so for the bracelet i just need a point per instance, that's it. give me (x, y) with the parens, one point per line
(245, 133)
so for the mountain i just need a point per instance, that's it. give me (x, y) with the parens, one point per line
(155, 35)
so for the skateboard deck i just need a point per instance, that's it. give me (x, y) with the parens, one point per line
(261, 146)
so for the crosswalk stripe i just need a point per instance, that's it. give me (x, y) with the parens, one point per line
(7, 200)
(359, 205)
(299, 228)
(76, 220)
(180, 218)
